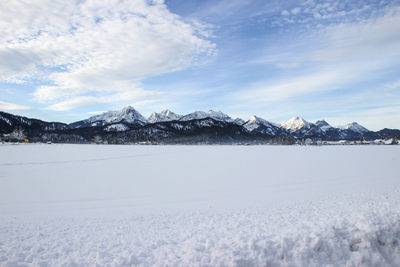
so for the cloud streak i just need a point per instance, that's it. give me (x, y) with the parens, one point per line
(84, 101)
(12, 106)
(343, 55)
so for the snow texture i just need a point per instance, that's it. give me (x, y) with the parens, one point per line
(88, 205)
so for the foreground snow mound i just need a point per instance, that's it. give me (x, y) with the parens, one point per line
(318, 234)
(95, 205)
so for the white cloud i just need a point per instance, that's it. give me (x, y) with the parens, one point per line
(77, 47)
(296, 10)
(332, 58)
(96, 112)
(371, 41)
(83, 101)
(310, 14)
(393, 85)
(263, 93)
(11, 106)
(75, 102)
(142, 103)
(284, 13)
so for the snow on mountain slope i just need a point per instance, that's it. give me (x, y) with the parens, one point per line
(260, 125)
(119, 127)
(127, 115)
(6, 120)
(296, 124)
(129, 118)
(355, 127)
(239, 121)
(165, 115)
(323, 125)
(216, 115)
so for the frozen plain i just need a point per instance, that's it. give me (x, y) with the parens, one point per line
(88, 205)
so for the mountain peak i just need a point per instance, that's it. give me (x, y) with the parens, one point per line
(166, 112)
(323, 125)
(355, 127)
(216, 115)
(321, 122)
(258, 120)
(164, 115)
(239, 121)
(254, 118)
(127, 114)
(128, 109)
(295, 123)
(260, 125)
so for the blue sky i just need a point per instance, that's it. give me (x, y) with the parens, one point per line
(333, 60)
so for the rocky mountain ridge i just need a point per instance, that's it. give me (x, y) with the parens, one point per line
(129, 126)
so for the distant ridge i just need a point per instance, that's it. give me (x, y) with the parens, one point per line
(129, 126)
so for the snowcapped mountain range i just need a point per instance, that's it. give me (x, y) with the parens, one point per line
(128, 125)
(127, 115)
(217, 115)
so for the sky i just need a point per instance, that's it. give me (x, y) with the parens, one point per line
(337, 60)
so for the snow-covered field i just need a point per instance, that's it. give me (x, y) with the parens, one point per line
(82, 205)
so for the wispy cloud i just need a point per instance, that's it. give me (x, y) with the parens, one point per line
(12, 106)
(267, 93)
(76, 102)
(368, 41)
(96, 112)
(84, 101)
(342, 55)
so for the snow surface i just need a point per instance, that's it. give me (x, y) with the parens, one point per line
(199, 205)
